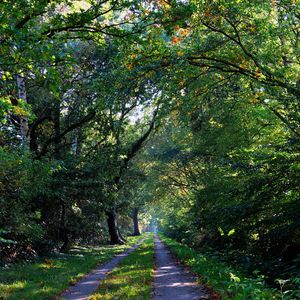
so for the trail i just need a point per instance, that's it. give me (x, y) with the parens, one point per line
(172, 281)
(89, 283)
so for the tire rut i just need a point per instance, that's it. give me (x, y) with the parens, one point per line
(171, 280)
(89, 283)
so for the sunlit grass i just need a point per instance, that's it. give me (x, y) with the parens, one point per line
(219, 277)
(132, 278)
(46, 278)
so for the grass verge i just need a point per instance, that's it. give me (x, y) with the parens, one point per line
(46, 278)
(132, 278)
(224, 280)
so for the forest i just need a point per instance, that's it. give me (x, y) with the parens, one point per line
(174, 116)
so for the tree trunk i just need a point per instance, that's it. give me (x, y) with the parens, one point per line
(113, 228)
(21, 83)
(136, 230)
(66, 243)
(120, 235)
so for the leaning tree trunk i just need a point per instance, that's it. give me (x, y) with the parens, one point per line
(21, 84)
(120, 234)
(136, 230)
(113, 228)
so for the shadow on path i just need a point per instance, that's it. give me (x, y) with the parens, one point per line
(89, 284)
(172, 281)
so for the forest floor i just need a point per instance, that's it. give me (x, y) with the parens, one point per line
(89, 283)
(142, 269)
(130, 274)
(46, 277)
(146, 268)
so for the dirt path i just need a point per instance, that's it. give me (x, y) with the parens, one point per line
(172, 281)
(89, 283)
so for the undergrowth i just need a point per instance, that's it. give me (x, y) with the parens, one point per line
(225, 280)
(46, 278)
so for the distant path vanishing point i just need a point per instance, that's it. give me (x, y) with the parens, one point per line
(172, 281)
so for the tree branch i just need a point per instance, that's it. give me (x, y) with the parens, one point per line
(84, 120)
(135, 147)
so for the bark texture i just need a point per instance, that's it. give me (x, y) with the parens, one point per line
(113, 230)
(136, 230)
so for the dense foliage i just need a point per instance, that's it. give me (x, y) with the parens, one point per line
(227, 158)
(186, 109)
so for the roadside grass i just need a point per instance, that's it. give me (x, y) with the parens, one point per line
(46, 278)
(132, 278)
(222, 279)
